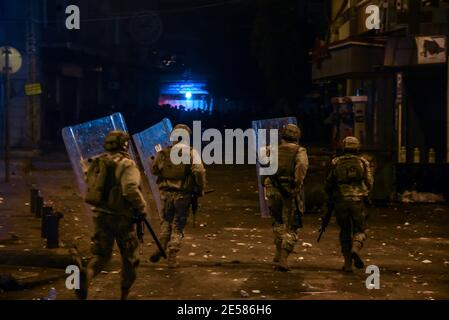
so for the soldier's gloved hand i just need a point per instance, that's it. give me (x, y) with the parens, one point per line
(139, 217)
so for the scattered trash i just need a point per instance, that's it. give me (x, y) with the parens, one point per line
(306, 244)
(406, 224)
(191, 254)
(423, 197)
(426, 261)
(255, 291)
(2, 246)
(244, 294)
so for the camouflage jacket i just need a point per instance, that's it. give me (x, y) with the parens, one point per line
(353, 189)
(128, 176)
(194, 179)
(296, 184)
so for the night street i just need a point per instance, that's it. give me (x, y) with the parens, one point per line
(264, 151)
(231, 249)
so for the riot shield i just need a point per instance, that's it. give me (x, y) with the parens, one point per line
(148, 143)
(85, 140)
(276, 123)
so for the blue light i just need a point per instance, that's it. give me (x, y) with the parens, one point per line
(188, 95)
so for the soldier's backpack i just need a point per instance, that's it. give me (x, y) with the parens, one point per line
(101, 182)
(349, 170)
(173, 171)
(287, 160)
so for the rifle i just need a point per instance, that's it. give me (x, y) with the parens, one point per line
(139, 229)
(195, 196)
(326, 219)
(298, 212)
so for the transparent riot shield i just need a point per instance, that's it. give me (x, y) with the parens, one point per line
(276, 123)
(148, 143)
(85, 140)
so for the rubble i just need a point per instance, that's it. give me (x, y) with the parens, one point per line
(421, 197)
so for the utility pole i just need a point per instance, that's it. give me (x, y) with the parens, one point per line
(33, 123)
(6, 69)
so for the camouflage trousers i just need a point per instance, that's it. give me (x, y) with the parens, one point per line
(351, 217)
(285, 224)
(120, 228)
(175, 213)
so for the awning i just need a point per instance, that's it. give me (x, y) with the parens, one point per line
(349, 58)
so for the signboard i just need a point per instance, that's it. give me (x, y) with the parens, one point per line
(33, 89)
(431, 49)
(15, 59)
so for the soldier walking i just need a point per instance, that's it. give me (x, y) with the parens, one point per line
(178, 183)
(113, 188)
(285, 194)
(348, 184)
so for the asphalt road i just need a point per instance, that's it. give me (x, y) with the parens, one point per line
(228, 255)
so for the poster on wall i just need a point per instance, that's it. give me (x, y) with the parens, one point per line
(431, 49)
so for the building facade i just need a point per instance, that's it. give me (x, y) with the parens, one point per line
(383, 66)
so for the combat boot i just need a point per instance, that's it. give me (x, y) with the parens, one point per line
(282, 264)
(83, 290)
(277, 255)
(172, 259)
(355, 252)
(157, 255)
(124, 293)
(347, 267)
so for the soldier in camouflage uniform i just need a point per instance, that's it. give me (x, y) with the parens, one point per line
(177, 184)
(284, 189)
(348, 184)
(115, 219)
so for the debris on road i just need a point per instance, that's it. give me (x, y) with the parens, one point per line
(421, 197)
(244, 294)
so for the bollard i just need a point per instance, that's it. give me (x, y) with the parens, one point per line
(46, 211)
(53, 230)
(34, 193)
(39, 205)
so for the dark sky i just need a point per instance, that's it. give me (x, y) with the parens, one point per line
(223, 50)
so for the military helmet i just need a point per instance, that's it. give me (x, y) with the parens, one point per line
(183, 127)
(290, 132)
(116, 140)
(351, 143)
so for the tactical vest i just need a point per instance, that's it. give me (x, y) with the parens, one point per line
(103, 186)
(349, 172)
(349, 169)
(173, 171)
(287, 160)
